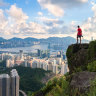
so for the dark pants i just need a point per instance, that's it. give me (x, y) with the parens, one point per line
(79, 36)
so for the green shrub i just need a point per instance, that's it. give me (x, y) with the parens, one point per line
(92, 66)
(60, 87)
(92, 50)
(92, 90)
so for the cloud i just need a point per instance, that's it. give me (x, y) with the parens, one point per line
(16, 24)
(94, 9)
(64, 30)
(17, 15)
(57, 27)
(50, 22)
(89, 26)
(3, 20)
(56, 7)
(3, 4)
(40, 13)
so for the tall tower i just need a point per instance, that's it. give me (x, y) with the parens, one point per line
(39, 52)
(63, 69)
(4, 85)
(21, 54)
(14, 83)
(55, 69)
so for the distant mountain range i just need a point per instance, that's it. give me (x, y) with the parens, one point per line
(53, 41)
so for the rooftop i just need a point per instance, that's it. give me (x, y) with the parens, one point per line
(4, 76)
(14, 73)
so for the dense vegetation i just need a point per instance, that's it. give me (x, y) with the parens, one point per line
(30, 79)
(56, 87)
(61, 87)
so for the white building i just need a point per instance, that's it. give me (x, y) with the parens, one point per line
(55, 68)
(10, 63)
(64, 69)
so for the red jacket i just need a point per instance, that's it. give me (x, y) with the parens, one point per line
(79, 31)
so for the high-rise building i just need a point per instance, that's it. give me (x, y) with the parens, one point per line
(43, 53)
(58, 61)
(4, 85)
(50, 67)
(9, 63)
(64, 69)
(34, 64)
(14, 83)
(9, 85)
(39, 52)
(59, 54)
(21, 54)
(2, 56)
(55, 68)
(26, 63)
(64, 57)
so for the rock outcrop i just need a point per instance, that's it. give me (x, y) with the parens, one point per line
(82, 81)
(77, 56)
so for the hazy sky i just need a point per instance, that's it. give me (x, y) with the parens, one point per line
(47, 18)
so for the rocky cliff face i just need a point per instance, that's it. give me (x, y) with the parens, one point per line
(80, 58)
(77, 56)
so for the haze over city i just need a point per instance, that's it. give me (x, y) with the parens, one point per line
(47, 18)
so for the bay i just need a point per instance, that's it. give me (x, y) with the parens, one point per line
(26, 49)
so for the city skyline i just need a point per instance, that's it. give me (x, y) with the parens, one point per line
(47, 18)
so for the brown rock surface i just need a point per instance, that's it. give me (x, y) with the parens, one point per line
(82, 80)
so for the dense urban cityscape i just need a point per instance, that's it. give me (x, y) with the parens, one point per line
(55, 62)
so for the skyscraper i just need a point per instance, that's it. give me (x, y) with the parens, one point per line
(63, 69)
(21, 54)
(39, 52)
(14, 83)
(55, 68)
(9, 85)
(4, 85)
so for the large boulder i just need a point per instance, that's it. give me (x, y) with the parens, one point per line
(77, 56)
(82, 81)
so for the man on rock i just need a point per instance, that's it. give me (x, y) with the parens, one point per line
(79, 34)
